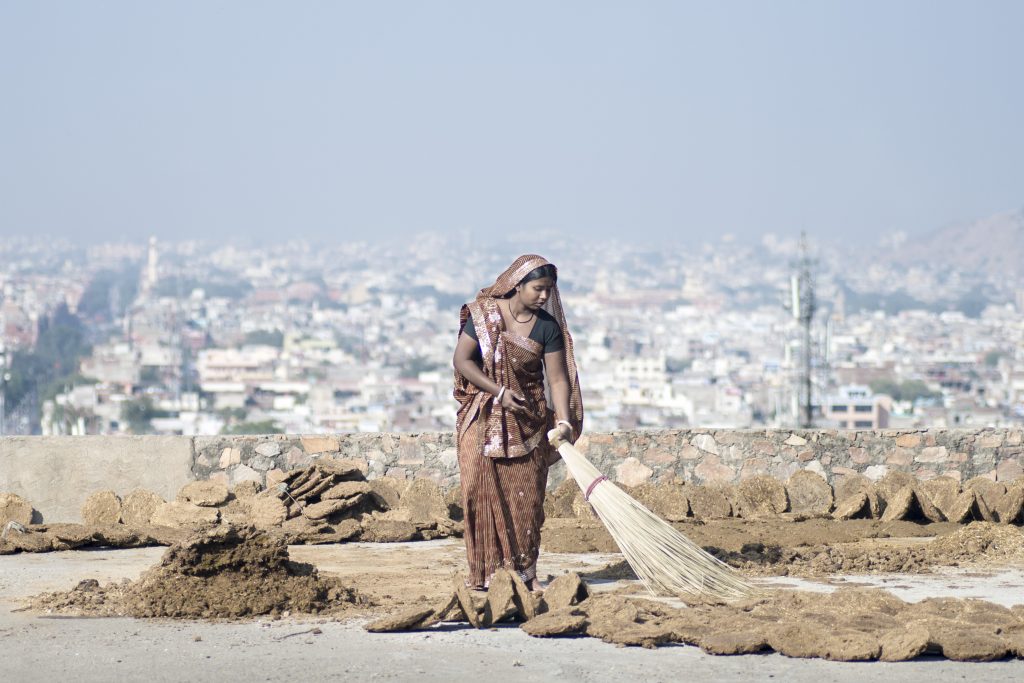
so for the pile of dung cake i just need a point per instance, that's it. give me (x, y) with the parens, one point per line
(897, 496)
(332, 501)
(224, 573)
(19, 534)
(850, 624)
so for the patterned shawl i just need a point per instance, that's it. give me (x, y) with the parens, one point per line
(504, 434)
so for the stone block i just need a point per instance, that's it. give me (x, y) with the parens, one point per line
(410, 454)
(449, 459)
(262, 463)
(632, 472)
(712, 470)
(933, 454)
(908, 440)
(319, 444)
(430, 474)
(842, 472)
(795, 440)
(989, 441)
(924, 474)
(899, 457)
(656, 456)
(690, 453)
(397, 473)
(859, 455)
(753, 467)
(1009, 470)
(240, 473)
(268, 449)
(876, 472)
(815, 466)
(706, 443)
(229, 457)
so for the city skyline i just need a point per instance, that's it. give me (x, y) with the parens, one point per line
(180, 338)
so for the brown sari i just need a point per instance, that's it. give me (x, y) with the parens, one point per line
(503, 456)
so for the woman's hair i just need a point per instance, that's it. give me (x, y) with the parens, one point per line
(547, 270)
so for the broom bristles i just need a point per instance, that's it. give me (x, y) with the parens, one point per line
(666, 561)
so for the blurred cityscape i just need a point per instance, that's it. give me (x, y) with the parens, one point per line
(195, 338)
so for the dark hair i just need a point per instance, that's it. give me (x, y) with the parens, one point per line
(547, 270)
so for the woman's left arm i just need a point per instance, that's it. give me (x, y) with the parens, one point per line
(558, 380)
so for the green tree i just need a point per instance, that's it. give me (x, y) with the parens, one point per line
(265, 338)
(260, 427)
(910, 390)
(60, 345)
(139, 414)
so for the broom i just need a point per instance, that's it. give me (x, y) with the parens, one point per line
(665, 560)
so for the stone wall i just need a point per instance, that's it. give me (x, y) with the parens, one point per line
(57, 473)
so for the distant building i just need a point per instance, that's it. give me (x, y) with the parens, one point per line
(856, 407)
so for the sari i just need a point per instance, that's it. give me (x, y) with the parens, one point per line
(503, 457)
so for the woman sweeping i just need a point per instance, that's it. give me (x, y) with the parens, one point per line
(510, 336)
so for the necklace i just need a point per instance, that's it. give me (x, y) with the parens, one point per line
(517, 319)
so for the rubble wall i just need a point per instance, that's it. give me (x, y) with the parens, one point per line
(58, 473)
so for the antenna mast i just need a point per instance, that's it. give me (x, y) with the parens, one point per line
(803, 305)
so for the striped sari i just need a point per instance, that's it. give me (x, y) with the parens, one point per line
(503, 457)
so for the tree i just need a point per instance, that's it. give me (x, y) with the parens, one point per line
(54, 360)
(265, 338)
(261, 427)
(910, 390)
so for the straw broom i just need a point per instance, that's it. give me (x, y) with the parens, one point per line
(665, 560)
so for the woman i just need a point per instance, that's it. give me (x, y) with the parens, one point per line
(509, 337)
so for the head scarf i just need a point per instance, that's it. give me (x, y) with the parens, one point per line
(488, 324)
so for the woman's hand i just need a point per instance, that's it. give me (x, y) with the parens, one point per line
(514, 401)
(565, 432)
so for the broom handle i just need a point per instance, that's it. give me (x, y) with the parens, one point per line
(556, 440)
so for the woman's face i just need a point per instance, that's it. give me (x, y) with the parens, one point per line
(534, 294)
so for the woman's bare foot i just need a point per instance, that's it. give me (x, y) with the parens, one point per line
(534, 585)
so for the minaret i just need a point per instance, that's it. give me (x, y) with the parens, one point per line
(151, 264)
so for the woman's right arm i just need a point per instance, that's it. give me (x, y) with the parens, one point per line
(465, 362)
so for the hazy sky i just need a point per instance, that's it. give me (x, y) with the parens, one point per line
(646, 120)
